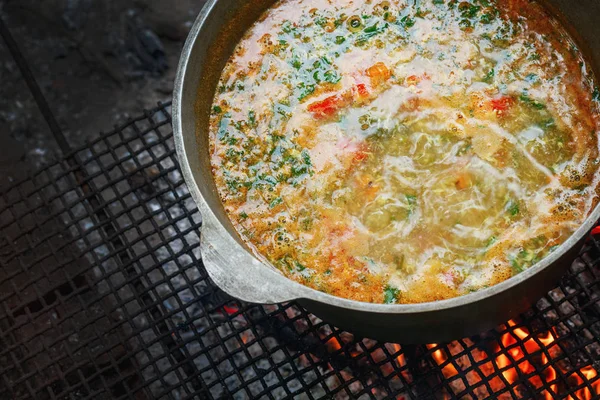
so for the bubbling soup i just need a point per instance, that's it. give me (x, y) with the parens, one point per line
(405, 151)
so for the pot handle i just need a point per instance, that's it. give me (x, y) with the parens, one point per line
(244, 277)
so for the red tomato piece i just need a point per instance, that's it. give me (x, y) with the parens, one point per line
(361, 90)
(325, 108)
(501, 104)
(362, 153)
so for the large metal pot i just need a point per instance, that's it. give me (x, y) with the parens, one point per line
(234, 268)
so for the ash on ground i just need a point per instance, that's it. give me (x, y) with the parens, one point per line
(97, 63)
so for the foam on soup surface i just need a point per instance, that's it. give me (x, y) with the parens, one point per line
(402, 151)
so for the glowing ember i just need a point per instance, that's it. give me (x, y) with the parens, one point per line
(333, 344)
(230, 310)
(440, 358)
(521, 361)
(523, 355)
(517, 340)
(400, 359)
(585, 393)
(245, 336)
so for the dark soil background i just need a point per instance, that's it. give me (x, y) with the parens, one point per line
(97, 62)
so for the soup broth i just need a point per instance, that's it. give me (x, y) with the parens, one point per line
(405, 151)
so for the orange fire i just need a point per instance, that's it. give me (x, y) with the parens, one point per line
(245, 337)
(515, 354)
(449, 370)
(585, 394)
(521, 357)
(333, 344)
(400, 359)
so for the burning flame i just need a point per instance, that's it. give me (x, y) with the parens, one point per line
(585, 394)
(449, 370)
(516, 353)
(521, 357)
(400, 359)
(333, 344)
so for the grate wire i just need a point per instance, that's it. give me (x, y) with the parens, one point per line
(103, 296)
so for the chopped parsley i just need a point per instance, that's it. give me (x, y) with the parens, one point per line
(531, 102)
(489, 77)
(275, 202)
(390, 295)
(407, 22)
(513, 208)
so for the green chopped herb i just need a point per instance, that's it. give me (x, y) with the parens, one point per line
(529, 101)
(464, 24)
(407, 22)
(321, 21)
(331, 77)
(275, 202)
(252, 118)
(371, 29)
(516, 266)
(306, 157)
(489, 77)
(305, 90)
(487, 18)
(513, 208)
(339, 39)
(217, 110)
(390, 295)
(469, 10)
(243, 215)
(286, 27)
(522, 261)
(299, 267)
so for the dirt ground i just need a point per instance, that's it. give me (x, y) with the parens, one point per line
(97, 62)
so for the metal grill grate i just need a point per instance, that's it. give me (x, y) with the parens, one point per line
(103, 296)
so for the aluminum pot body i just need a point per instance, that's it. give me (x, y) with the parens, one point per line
(234, 268)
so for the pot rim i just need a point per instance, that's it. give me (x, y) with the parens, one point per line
(298, 291)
